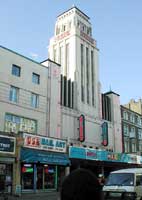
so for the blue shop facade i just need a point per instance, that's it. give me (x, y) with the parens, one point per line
(101, 161)
(43, 163)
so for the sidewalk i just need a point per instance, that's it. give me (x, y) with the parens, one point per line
(35, 196)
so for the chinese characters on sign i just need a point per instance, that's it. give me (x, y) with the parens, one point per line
(16, 123)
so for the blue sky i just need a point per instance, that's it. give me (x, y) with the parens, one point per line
(27, 25)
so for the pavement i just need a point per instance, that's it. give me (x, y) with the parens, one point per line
(34, 196)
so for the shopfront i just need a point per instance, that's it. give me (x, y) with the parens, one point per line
(43, 162)
(7, 160)
(101, 161)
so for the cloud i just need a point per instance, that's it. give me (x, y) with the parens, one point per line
(34, 55)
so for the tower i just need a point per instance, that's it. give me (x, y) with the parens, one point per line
(74, 48)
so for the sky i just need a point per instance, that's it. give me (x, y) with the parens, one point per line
(27, 25)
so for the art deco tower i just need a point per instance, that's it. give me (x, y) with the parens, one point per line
(74, 48)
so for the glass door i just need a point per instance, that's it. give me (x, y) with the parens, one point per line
(49, 176)
(39, 182)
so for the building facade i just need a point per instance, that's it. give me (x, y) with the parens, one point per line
(32, 154)
(53, 116)
(131, 131)
(135, 105)
(75, 49)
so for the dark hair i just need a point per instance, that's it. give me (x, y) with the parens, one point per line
(81, 184)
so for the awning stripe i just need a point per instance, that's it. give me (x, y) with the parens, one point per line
(33, 156)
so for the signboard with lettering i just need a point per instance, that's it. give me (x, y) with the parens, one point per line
(15, 124)
(62, 35)
(105, 134)
(103, 155)
(7, 144)
(81, 128)
(87, 37)
(44, 143)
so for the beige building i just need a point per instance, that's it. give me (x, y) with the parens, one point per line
(135, 106)
(30, 131)
(23, 94)
(75, 49)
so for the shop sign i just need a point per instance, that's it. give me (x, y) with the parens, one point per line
(102, 155)
(15, 124)
(77, 152)
(7, 144)
(44, 143)
(104, 134)
(81, 128)
(91, 154)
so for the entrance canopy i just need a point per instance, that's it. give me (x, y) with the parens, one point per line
(33, 156)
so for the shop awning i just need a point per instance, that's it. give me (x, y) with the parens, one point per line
(33, 156)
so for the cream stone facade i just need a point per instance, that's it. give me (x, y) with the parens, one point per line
(75, 49)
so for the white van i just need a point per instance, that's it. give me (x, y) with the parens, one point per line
(124, 184)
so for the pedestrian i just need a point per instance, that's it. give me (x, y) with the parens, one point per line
(101, 180)
(81, 184)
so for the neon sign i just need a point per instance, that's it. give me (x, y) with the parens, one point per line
(81, 128)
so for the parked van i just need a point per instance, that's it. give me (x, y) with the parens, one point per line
(124, 184)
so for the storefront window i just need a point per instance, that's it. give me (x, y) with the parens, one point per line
(6, 177)
(45, 176)
(49, 177)
(27, 176)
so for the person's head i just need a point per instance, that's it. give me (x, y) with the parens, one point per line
(81, 184)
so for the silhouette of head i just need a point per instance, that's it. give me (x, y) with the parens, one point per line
(81, 184)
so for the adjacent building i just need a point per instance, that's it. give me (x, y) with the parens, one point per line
(131, 131)
(135, 105)
(32, 154)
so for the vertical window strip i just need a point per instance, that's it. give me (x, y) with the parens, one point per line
(67, 60)
(93, 75)
(72, 94)
(87, 73)
(61, 58)
(61, 90)
(65, 85)
(82, 73)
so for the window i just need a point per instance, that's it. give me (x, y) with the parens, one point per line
(126, 130)
(126, 146)
(125, 115)
(133, 147)
(132, 132)
(34, 100)
(138, 120)
(15, 123)
(132, 118)
(16, 70)
(61, 58)
(139, 133)
(36, 78)
(67, 60)
(93, 75)
(14, 93)
(82, 73)
(87, 74)
(140, 147)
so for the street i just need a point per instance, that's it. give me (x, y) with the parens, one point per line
(37, 196)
